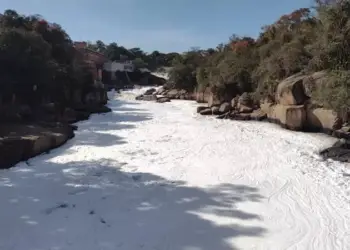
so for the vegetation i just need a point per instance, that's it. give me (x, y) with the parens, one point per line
(306, 40)
(38, 61)
(141, 59)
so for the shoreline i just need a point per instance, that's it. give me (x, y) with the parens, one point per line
(20, 142)
(339, 151)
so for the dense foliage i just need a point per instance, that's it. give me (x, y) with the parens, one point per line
(306, 40)
(141, 59)
(37, 61)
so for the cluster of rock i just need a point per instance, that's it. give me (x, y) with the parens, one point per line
(239, 108)
(29, 131)
(31, 140)
(152, 95)
(294, 109)
(291, 107)
(165, 95)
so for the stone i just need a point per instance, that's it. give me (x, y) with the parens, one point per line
(225, 107)
(321, 119)
(292, 117)
(245, 109)
(242, 116)
(234, 102)
(206, 111)
(223, 116)
(214, 100)
(49, 107)
(215, 110)
(245, 99)
(163, 99)
(150, 91)
(202, 96)
(291, 91)
(149, 98)
(201, 108)
(258, 115)
(39, 140)
(173, 93)
(139, 98)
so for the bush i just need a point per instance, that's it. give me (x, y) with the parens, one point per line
(335, 92)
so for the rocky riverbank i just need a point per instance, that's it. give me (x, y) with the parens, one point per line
(292, 108)
(26, 132)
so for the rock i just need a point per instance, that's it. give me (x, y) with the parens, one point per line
(150, 91)
(215, 110)
(245, 109)
(234, 102)
(266, 107)
(49, 107)
(224, 116)
(201, 108)
(70, 115)
(241, 117)
(206, 111)
(258, 115)
(139, 98)
(19, 148)
(214, 100)
(292, 117)
(346, 129)
(225, 107)
(163, 99)
(340, 151)
(149, 98)
(245, 99)
(25, 110)
(340, 133)
(160, 91)
(202, 96)
(320, 119)
(291, 91)
(172, 93)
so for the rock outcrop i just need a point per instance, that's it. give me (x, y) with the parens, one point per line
(31, 140)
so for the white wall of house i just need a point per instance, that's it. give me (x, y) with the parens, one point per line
(119, 66)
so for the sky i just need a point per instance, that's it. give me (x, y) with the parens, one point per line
(163, 25)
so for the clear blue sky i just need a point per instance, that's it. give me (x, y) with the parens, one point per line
(164, 25)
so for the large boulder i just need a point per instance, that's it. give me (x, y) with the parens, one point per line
(245, 99)
(245, 109)
(258, 115)
(149, 98)
(214, 100)
(173, 94)
(225, 107)
(291, 117)
(36, 141)
(150, 91)
(202, 96)
(201, 108)
(163, 99)
(291, 91)
(206, 111)
(322, 119)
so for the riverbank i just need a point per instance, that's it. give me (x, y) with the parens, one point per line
(20, 141)
(242, 108)
(150, 176)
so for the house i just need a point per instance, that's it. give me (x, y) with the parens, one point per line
(94, 59)
(119, 66)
